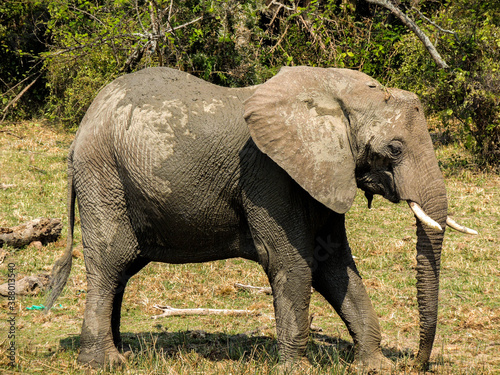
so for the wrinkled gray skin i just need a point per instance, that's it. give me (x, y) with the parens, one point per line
(169, 168)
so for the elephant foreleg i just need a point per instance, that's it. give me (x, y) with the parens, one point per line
(291, 287)
(338, 280)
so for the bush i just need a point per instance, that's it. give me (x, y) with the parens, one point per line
(22, 39)
(94, 42)
(234, 43)
(466, 97)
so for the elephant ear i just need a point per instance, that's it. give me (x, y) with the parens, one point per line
(297, 119)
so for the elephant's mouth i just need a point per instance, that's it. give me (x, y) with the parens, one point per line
(380, 183)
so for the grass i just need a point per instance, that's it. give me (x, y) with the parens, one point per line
(32, 158)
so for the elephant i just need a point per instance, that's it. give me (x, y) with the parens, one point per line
(169, 168)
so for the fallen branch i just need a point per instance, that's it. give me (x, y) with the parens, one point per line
(29, 285)
(256, 289)
(6, 186)
(44, 230)
(171, 311)
(314, 327)
(10, 133)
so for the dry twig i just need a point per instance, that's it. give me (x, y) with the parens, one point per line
(171, 311)
(10, 133)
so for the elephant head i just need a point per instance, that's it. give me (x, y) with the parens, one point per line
(334, 130)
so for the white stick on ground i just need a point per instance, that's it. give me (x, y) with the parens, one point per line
(171, 311)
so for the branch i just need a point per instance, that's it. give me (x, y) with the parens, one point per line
(171, 311)
(87, 13)
(170, 10)
(435, 24)
(138, 52)
(18, 96)
(183, 25)
(99, 42)
(280, 5)
(413, 27)
(139, 17)
(22, 81)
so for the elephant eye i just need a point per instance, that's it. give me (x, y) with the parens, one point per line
(395, 148)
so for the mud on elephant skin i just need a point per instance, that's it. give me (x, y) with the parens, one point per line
(166, 167)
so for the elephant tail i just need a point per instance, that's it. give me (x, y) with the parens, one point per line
(62, 267)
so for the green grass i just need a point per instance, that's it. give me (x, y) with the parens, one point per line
(383, 240)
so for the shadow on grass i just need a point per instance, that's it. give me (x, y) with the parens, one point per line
(322, 350)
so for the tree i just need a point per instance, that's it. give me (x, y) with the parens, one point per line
(444, 50)
(22, 39)
(466, 97)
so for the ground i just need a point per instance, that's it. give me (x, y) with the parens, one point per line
(33, 162)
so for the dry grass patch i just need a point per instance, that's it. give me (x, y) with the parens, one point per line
(382, 239)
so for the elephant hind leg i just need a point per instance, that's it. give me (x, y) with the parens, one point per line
(101, 324)
(96, 342)
(135, 267)
(111, 258)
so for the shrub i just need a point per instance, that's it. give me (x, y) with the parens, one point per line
(22, 39)
(466, 97)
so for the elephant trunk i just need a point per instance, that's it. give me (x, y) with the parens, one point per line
(429, 244)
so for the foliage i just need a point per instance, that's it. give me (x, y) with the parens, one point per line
(331, 34)
(226, 42)
(95, 42)
(81, 45)
(466, 97)
(22, 38)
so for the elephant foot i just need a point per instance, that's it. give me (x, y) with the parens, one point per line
(376, 363)
(418, 365)
(111, 358)
(126, 351)
(123, 348)
(294, 367)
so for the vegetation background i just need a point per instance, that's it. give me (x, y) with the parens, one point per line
(55, 55)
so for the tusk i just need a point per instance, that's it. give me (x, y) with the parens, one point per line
(423, 217)
(454, 225)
